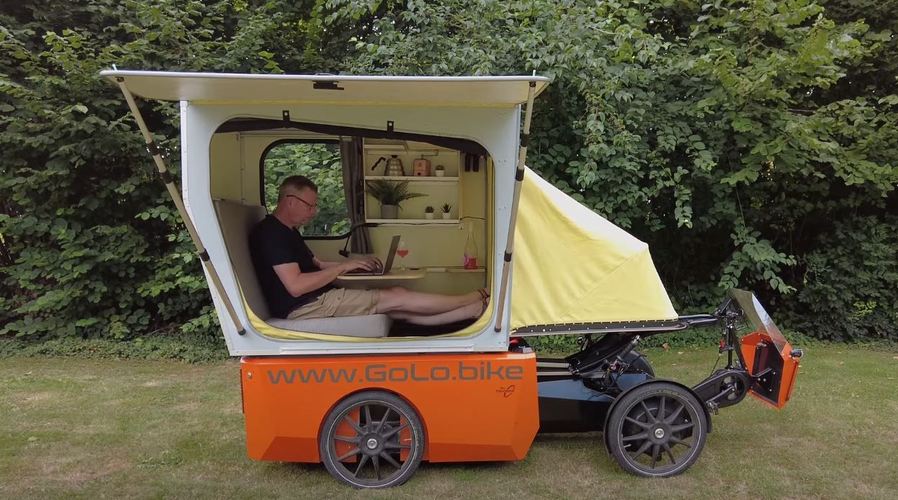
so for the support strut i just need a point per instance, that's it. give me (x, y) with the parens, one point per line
(154, 150)
(518, 181)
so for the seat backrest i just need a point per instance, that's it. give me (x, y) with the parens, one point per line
(236, 221)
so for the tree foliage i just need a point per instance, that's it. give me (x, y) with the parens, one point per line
(322, 164)
(723, 134)
(751, 143)
(94, 245)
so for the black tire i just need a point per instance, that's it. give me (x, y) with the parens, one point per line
(372, 439)
(656, 430)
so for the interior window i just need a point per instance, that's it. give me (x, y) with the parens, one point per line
(321, 162)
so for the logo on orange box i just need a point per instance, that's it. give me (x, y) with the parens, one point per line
(412, 372)
(506, 391)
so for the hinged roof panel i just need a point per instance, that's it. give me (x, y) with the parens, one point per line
(235, 88)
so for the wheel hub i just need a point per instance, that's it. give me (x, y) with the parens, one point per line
(660, 433)
(371, 443)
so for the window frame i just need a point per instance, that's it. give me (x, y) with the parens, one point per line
(262, 179)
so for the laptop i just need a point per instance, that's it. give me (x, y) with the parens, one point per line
(388, 262)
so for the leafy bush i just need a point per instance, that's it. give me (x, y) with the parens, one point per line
(751, 144)
(90, 244)
(850, 289)
(728, 135)
(190, 348)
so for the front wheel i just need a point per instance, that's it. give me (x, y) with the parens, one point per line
(656, 430)
(372, 439)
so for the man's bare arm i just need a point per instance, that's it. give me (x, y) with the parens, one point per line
(297, 282)
(327, 264)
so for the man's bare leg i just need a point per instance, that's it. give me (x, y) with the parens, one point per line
(469, 311)
(399, 299)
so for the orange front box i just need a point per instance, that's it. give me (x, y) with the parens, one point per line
(773, 354)
(474, 407)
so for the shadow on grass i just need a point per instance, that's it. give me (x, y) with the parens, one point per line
(305, 468)
(565, 437)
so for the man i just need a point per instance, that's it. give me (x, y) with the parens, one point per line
(297, 285)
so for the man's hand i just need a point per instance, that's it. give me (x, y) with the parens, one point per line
(374, 261)
(367, 264)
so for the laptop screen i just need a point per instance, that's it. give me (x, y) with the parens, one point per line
(391, 254)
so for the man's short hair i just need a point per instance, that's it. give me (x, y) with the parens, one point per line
(297, 183)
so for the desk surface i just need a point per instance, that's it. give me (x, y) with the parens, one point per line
(394, 275)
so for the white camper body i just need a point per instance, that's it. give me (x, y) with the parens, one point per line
(485, 110)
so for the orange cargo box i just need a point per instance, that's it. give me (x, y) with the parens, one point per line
(474, 407)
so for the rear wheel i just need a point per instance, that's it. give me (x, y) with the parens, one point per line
(372, 440)
(656, 430)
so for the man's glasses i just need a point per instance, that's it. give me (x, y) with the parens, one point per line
(313, 207)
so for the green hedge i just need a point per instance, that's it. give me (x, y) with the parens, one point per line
(751, 144)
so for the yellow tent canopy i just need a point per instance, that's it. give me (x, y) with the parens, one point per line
(573, 266)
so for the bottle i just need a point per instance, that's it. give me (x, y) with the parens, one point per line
(470, 249)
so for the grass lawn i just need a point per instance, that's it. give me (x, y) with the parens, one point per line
(91, 428)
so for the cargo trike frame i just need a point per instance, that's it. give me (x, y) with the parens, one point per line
(371, 409)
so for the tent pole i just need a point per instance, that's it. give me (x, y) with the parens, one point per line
(154, 150)
(518, 181)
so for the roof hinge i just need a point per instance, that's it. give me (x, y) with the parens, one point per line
(326, 85)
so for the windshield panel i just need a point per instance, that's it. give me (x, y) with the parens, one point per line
(755, 313)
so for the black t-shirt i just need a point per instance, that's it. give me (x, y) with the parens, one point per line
(272, 243)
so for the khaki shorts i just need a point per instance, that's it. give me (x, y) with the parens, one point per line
(338, 302)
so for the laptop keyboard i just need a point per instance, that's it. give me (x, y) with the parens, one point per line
(362, 272)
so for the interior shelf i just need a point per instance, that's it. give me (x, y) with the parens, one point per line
(450, 269)
(386, 147)
(411, 178)
(406, 146)
(414, 221)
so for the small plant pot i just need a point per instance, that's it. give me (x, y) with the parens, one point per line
(447, 216)
(428, 215)
(440, 173)
(389, 211)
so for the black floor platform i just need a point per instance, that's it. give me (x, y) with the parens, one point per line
(405, 329)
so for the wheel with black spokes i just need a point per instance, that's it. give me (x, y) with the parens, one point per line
(656, 430)
(372, 439)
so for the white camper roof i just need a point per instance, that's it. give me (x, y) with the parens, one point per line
(236, 88)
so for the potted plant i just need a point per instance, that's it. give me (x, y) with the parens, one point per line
(428, 212)
(390, 195)
(439, 171)
(446, 209)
